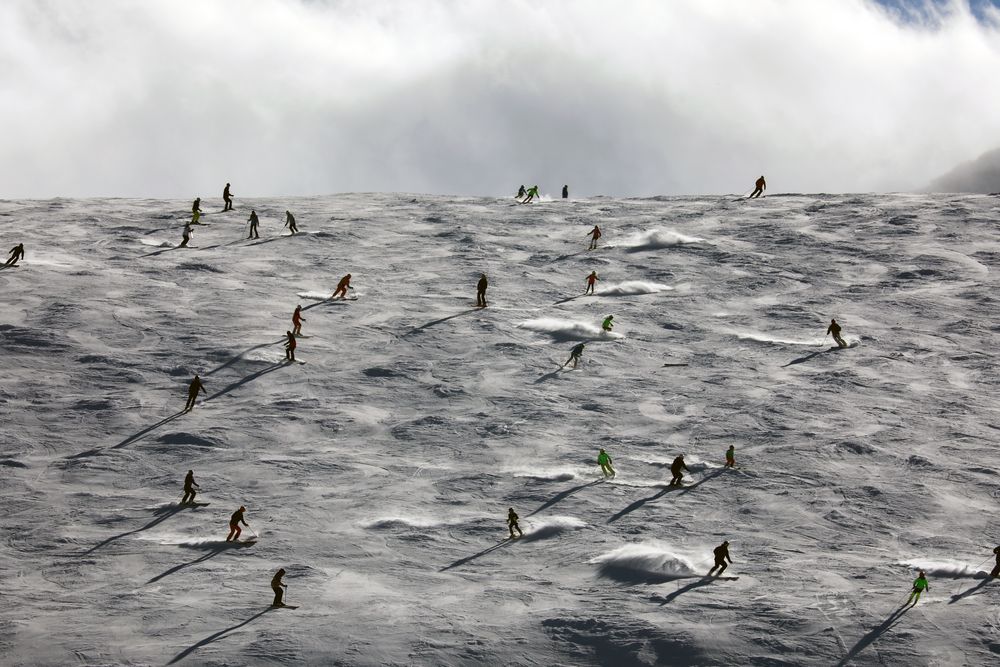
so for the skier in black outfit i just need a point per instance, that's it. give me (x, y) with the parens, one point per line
(189, 488)
(234, 524)
(193, 389)
(228, 198)
(278, 589)
(565, 192)
(834, 329)
(16, 253)
(996, 568)
(290, 222)
(254, 221)
(675, 468)
(520, 192)
(721, 556)
(512, 523)
(575, 354)
(481, 291)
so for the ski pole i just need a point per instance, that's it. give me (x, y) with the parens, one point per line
(824, 339)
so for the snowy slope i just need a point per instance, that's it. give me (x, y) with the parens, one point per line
(379, 472)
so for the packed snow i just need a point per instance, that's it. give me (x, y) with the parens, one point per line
(379, 471)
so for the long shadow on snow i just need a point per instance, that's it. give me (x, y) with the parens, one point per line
(870, 638)
(214, 549)
(569, 298)
(809, 356)
(216, 637)
(704, 581)
(680, 491)
(240, 355)
(463, 561)
(249, 378)
(7, 266)
(549, 376)
(443, 319)
(563, 495)
(129, 440)
(163, 514)
(972, 591)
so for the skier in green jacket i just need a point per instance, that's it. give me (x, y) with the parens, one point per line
(531, 193)
(605, 462)
(607, 325)
(919, 585)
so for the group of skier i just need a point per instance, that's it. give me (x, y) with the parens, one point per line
(253, 220)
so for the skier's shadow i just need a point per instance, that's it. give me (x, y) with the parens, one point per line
(7, 266)
(806, 358)
(249, 378)
(870, 638)
(680, 491)
(240, 355)
(158, 252)
(213, 550)
(463, 561)
(422, 327)
(129, 440)
(163, 514)
(562, 495)
(704, 581)
(268, 240)
(972, 591)
(549, 376)
(567, 299)
(217, 636)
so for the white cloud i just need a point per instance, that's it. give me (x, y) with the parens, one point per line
(168, 98)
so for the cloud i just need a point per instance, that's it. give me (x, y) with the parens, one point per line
(162, 98)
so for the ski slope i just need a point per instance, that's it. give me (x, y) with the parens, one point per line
(379, 472)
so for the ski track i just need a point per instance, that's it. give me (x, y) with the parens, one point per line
(379, 473)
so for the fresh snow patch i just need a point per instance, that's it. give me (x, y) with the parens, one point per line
(947, 568)
(631, 287)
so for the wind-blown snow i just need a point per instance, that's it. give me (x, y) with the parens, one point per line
(379, 472)
(657, 239)
(632, 287)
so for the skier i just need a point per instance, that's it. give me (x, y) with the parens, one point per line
(565, 192)
(721, 556)
(605, 462)
(607, 324)
(731, 457)
(594, 234)
(278, 589)
(996, 568)
(481, 291)
(591, 279)
(574, 354)
(675, 469)
(297, 320)
(520, 192)
(759, 186)
(512, 523)
(189, 488)
(196, 211)
(254, 221)
(186, 236)
(228, 198)
(234, 524)
(290, 222)
(16, 253)
(342, 287)
(193, 389)
(530, 194)
(919, 586)
(290, 346)
(834, 329)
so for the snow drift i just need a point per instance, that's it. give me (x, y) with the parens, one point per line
(569, 330)
(644, 563)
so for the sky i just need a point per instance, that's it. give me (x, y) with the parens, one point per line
(174, 98)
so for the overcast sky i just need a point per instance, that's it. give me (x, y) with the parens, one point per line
(173, 98)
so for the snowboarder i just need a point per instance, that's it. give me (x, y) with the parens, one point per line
(675, 469)
(481, 291)
(512, 523)
(189, 488)
(290, 222)
(186, 236)
(234, 524)
(278, 588)
(342, 287)
(297, 320)
(919, 586)
(591, 279)
(520, 192)
(227, 197)
(565, 192)
(996, 568)
(290, 346)
(193, 389)
(605, 462)
(834, 329)
(196, 211)
(574, 354)
(731, 457)
(594, 234)
(721, 556)
(760, 185)
(254, 221)
(530, 194)
(16, 253)
(607, 324)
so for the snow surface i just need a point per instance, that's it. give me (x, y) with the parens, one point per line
(379, 473)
